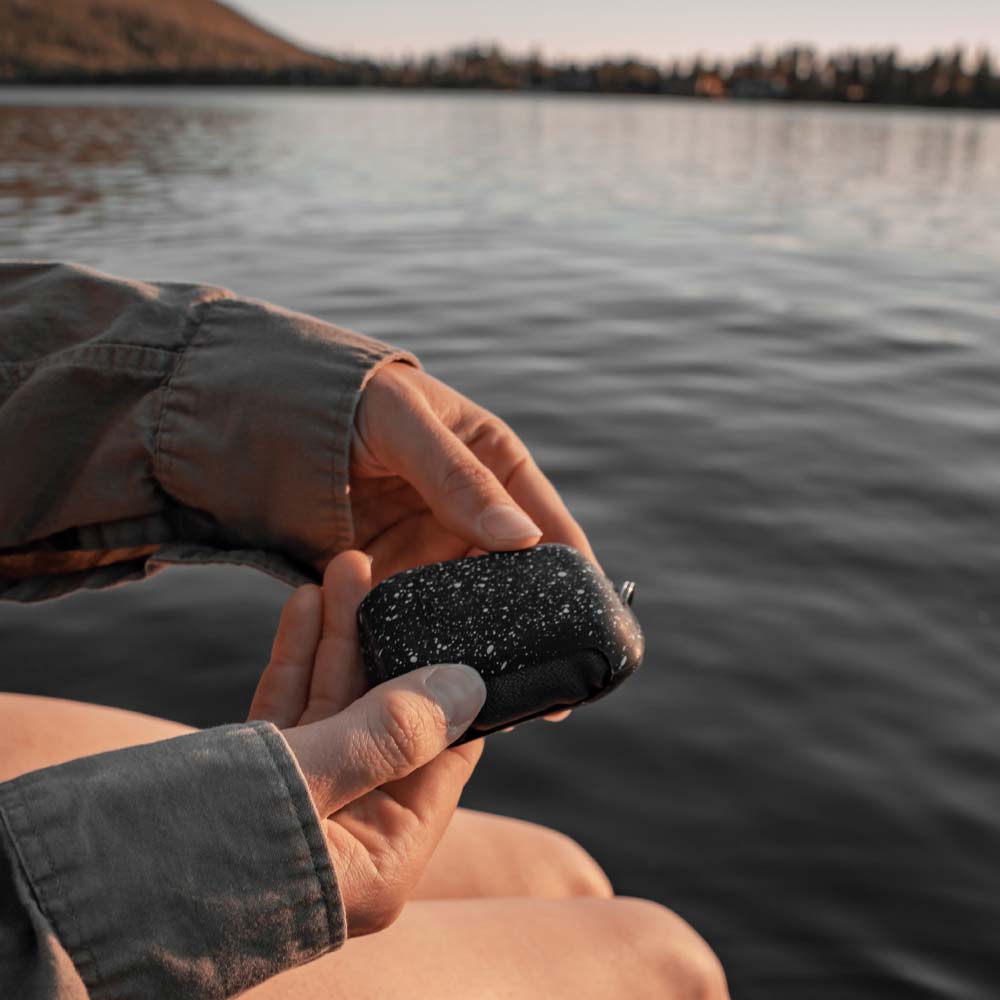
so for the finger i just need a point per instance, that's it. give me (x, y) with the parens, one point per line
(414, 541)
(387, 734)
(284, 686)
(558, 716)
(464, 495)
(337, 676)
(533, 491)
(500, 449)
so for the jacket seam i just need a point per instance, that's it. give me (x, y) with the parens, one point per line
(15, 846)
(53, 872)
(199, 314)
(147, 360)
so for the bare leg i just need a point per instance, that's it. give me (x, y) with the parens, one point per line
(444, 947)
(485, 855)
(515, 949)
(480, 855)
(39, 732)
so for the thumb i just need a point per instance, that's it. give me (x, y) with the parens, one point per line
(386, 734)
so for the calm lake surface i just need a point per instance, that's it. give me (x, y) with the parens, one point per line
(756, 346)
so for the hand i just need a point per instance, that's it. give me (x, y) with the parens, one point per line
(433, 476)
(378, 766)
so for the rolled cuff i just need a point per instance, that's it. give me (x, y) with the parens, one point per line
(257, 422)
(194, 867)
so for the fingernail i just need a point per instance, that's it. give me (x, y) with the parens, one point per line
(460, 692)
(508, 524)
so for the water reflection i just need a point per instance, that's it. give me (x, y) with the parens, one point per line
(755, 346)
(73, 157)
(545, 159)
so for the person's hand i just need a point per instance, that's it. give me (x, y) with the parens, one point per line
(377, 765)
(433, 477)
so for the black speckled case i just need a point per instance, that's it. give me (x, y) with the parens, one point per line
(545, 628)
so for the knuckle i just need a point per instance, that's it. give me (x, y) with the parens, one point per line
(496, 437)
(404, 733)
(493, 430)
(465, 477)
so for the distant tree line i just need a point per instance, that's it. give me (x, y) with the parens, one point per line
(794, 74)
(952, 79)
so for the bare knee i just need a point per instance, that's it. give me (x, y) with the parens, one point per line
(565, 869)
(483, 855)
(672, 961)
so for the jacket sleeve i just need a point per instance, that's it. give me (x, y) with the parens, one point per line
(143, 424)
(193, 868)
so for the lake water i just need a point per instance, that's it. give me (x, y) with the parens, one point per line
(758, 349)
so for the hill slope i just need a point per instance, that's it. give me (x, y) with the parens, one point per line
(51, 39)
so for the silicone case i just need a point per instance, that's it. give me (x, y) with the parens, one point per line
(543, 626)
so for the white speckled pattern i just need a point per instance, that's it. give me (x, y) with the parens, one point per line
(501, 612)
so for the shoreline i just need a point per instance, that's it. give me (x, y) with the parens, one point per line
(308, 81)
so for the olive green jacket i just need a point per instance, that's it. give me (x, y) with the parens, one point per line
(143, 425)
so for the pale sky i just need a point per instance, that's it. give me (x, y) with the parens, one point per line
(657, 29)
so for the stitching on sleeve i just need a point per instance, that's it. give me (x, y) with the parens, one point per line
(15, 846)
(133, 358)
(278, 766)
(53, 872)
